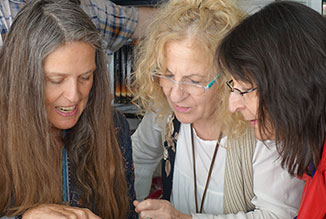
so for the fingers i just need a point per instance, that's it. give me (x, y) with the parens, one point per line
(154, 209)
(52, 211)
(152, 215)
(79, 213)
(148, 204)
(135, 202)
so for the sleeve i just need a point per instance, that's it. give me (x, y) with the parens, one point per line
(115, 23)
(277, 193)
(6, 19)
(147, 153)
(123, 134)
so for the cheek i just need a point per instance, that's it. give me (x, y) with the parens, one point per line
(209, 99)
(252, 105)
(166, 92)
(85, 90)
(51, 95)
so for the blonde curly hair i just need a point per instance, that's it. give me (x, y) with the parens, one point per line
(205, 22)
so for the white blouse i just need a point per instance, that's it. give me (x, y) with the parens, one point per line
(182, 196)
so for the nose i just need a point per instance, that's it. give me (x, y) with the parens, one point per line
(72, 92)
(235, 103)
(177, 93)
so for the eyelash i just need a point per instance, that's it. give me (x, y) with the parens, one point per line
(192, 81)
(55, 82)
(83, 78)
(86, 78)
(195, 82)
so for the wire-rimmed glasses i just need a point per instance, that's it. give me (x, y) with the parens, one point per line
(187, 85)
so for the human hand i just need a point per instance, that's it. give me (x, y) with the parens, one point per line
(52, 211)
(158, 209)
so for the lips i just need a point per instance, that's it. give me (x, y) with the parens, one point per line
(182, 109)
(66, 110)
(253, 122)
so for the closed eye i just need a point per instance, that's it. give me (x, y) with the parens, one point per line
(86, 77)
(192, 81)
(169, 75)
(55, 80)
(195, 82)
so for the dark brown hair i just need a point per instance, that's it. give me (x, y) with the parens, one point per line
(282, 51)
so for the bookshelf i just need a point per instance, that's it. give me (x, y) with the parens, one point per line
(120, 69)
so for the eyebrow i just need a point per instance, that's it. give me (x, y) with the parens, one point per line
(63, 74)
(188, 76)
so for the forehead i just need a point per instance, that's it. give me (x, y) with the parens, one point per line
(186, 55)
(242, 84)
(70, 57)
(189, 44)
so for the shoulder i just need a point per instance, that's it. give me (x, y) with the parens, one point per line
(119, 119)
(247, 141)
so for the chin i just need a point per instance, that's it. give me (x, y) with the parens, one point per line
(64, 126)
(263, 137)
(184, 119)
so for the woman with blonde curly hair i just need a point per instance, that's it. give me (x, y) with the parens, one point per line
(211, 164)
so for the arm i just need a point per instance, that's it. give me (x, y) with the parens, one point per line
(147, 153)
(8, 11)
(117, 24)
(145, 16)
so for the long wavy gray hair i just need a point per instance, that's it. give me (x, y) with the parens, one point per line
(30, 164)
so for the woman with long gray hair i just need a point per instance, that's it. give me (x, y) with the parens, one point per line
(60, 157)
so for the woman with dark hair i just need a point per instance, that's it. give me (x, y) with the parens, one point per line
(60, 156)
(277, 62)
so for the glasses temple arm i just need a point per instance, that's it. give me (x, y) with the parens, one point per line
(213, 81)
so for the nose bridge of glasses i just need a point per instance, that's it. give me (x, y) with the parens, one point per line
(177, 84)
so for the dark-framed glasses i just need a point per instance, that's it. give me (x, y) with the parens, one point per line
(187, 85)
(237, 91)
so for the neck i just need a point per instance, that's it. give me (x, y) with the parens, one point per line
(207, 131)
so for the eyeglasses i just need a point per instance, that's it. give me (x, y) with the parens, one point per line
(237, 91)
(191, 87)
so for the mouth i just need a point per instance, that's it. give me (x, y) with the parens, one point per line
(253, 122)
(67, 110)
(182, 109)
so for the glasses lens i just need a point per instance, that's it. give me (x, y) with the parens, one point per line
(162, 81)
(168, 83)
(193, 89)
